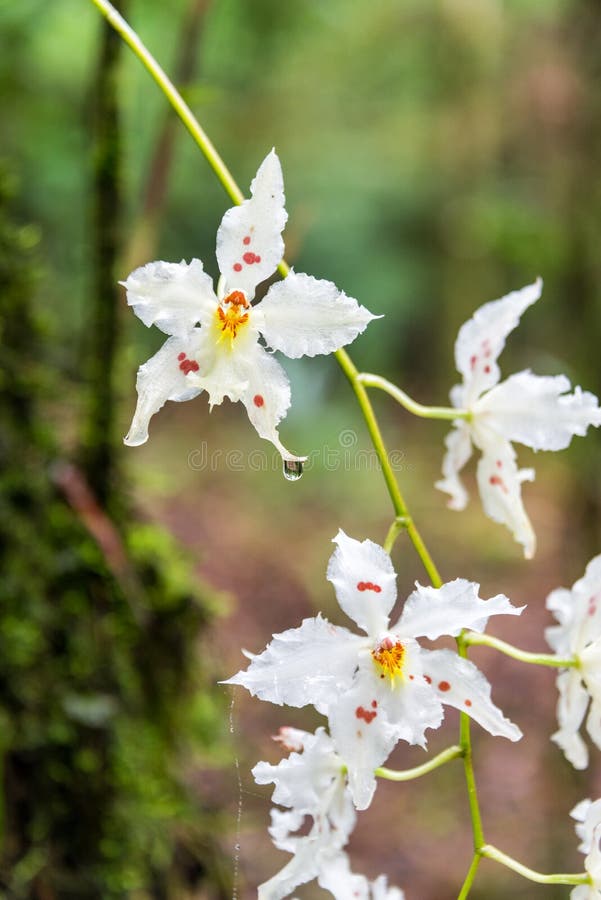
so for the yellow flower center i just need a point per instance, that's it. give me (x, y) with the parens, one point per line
(230, 320)
(388, 657)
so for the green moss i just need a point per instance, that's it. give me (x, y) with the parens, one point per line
(101, 684)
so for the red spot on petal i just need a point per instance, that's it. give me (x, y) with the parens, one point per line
(497, 481)
(444, 686)
(473, 361)
(468, 702)
(428, 679)
(249, 258)
(499, 464)
(257, 259)
(487, 369)
(411, 677)
(187, 365)
(365, 714)
(258, 400)
(368, 586)
(246, 240)
(374, 703)
(381, 676)
(237, 267)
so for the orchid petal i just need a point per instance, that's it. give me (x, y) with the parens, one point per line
(482, 338)
(593, 722)
(266, 396)
(565, 607)
(578, 611)
(314, 664)
(364, 580)
(336, 877)
(163, 377)
(301, 779)
(500, 484)
(459, 683)
(283, 825)
(306, 316)
(432, 612)
(588, 829)
(537, 410)
(249, 239)
(363, 736)
(303, 867)
(459, 449)
(381, 891)
(408, 700)
(173, 296)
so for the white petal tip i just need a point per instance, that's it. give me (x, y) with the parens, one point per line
(135, 440)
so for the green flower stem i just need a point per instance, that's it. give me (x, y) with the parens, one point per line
(491, 852)
(469, 878)
(395, 529)
(175, 98)
(403, 518)
(377, 440)
(474, 639)
(434, 763)
(465, 743)
(426, 412)
(236, 195)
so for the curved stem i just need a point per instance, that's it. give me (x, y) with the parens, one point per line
(434, 763)
(469, 878)
(491, 852)
(175, 98)
(394, 490)
(465, 742)
(426, 412)
(395, 529)
(473, 639)
(234, 192)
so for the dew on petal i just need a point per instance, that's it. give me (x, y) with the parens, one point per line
(293, 469)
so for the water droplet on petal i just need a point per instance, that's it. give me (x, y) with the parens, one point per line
(293, 469)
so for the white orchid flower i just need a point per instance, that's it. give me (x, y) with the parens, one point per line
(533, 410)
(588, 829)
(310, 782)
(214, 338)
(337, 878)
(383, 687)
(578, 636)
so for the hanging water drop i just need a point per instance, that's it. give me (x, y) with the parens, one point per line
(293, 469)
